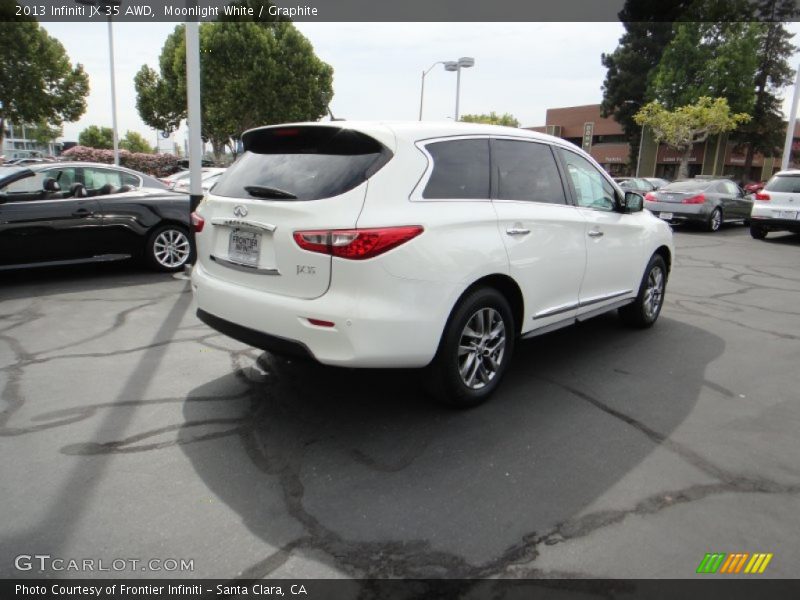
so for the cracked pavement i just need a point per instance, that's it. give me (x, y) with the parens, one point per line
(131, 430)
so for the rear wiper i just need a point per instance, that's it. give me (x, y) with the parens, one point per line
(261, 191)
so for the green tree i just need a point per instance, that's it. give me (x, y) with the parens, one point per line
(709, 59)
(765, 133)
(252, 73)
(648, 30)
(135, 142)
(685, 126)
(97, 137)
(44, 133)
(38, 83)
(492, 118)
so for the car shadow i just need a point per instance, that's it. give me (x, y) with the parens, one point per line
(48, 281)
(783, 237)
(388, 484)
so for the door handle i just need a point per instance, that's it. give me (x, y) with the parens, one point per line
(517, 231)
(82, 212)
(595, 234)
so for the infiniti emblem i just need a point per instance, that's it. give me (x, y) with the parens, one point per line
(240, 211)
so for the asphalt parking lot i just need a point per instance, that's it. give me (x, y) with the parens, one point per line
(131, 430)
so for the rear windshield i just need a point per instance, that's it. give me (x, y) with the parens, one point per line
(301, 163)
(686, 186)
(784, 183)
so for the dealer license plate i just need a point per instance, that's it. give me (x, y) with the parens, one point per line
(785, 214)
(665, 216)
(244, 247)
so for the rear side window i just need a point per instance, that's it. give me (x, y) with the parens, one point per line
(784, 183)
(527, 171)
(460, 170)
(301, 163)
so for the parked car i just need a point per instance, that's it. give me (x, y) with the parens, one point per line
(709, 202)
(635, 184)
(171, 180)
(777, 206)
(657, 182)
(81, 212)
(753, 187)
(420, 245)
(210, 176)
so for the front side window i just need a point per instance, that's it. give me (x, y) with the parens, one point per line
(31, 184)
(527, 171)
(460, 170)
(592, 190)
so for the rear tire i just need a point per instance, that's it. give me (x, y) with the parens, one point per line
(169, 248)
(714, 221)
(643, 312)
(758, 232)
(475, 350)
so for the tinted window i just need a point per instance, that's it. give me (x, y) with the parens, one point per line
(94, 178)
(301, 163)
(527, 171)
(132, 180)
(784, 183)
(686, 186)
(591, 188)
(730, 188)
(460, 170)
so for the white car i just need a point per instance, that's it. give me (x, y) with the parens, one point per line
(777, 206)
(420, 245)
(209, 178)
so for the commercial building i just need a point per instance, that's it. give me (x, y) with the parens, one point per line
(604, 139)
(17, 144)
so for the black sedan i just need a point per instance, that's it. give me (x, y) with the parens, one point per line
(707, 202)
(72, 212)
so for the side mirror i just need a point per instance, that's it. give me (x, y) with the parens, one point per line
(51, 185)
(631, 202)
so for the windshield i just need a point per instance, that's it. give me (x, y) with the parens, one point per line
(686, 186)
(301, 163)
(784, 183)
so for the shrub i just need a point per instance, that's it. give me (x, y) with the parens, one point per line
(157, 165)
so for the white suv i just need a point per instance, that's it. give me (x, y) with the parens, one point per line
(777, 206)
(420, 245)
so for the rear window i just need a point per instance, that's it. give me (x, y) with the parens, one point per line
(301, 163)
(685, 186)
(527, 171)
(784, 183)
(460, 170)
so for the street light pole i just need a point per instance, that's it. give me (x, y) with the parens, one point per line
(422, 87)
(113, 91)
(462, 63)
(787, 146)
(639, 158)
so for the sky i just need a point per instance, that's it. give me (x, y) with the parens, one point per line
(520, 68)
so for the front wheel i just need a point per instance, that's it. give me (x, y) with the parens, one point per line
(475, 350)
(644, 311)
(169, 248)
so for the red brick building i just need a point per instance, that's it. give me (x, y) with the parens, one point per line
(604, 139)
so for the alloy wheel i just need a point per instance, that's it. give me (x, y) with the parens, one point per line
(171, 248)
(654, 292)
(481, 348)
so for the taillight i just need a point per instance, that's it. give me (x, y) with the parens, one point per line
(699, 199)
(762, 196)
(650, 197)
(356, 244)
(198, 222)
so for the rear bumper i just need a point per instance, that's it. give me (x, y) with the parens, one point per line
(776, 224)
(681, 213)
(382, 321)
